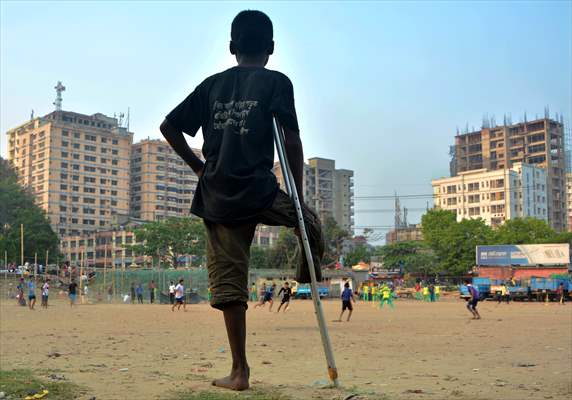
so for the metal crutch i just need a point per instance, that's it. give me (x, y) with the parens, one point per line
(293, 193)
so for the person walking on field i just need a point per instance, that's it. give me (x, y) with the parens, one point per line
(473, 300)
(269, 297)
(72, 292)
(253, 292)
(139, 292)
(425, 293)
(347, 298)
(31, 293)
(132, 290)
(45, 292)
(151, 288)
(109, 293)
(285, 297)
(237, 189)
(261, 296)
(171, 293)
(179, 296)
(560, 293)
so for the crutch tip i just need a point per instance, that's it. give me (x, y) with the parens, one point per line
(333, 373)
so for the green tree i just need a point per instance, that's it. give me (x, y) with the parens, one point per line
(412, 256)
(458, 256)
(17, 207)
(171, 238)
(334, 237)
(285, 253)
(259, 257)
(524, 231)
(357, 254)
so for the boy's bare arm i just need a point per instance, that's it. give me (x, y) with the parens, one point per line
(181, 147)
(295, 154)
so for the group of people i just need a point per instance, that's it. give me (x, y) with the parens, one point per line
(266, 295)
(136, 292)
(382, 294)
(429, 293)
(31, 288)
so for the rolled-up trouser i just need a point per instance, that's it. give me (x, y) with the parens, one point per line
(228, 250)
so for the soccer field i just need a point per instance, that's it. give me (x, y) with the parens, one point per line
(418, 350)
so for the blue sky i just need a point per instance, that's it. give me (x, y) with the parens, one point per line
(380, 86)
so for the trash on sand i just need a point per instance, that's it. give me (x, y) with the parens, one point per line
(123, 369)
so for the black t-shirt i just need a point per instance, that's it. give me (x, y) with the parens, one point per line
(234, 109)
(287, 293)
(72, 287)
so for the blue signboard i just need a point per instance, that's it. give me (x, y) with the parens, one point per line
(523, 254)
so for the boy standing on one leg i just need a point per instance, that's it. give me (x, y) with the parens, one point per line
(237, 188)
(347, 298)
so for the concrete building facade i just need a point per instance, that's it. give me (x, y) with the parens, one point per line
(162, 185)
(77, 167)
(328, 190)
(539, 142)
(495, 196)
(569, 199)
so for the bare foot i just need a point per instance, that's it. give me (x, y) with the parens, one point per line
(237, 380)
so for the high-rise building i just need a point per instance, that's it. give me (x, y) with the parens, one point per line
(539, 142)
(328, 190)
(76, 165)
(495, 196)
(569, 199)
(162, 185)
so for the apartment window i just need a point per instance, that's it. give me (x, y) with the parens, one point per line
(89, 158)
(114, 162)
(76, 135)
(160, 158)
(75, 188)
(63, 208)
(65, 144)
(75, 167)
(114, 151)
(114, 141)
(113, 183)
(63, 176)
(74, 221)
(63, 187)
(75, 156)
(75, 199)
(64, 165)
(103, 150)
(76, 145)
(114, 192)
(101, 223)
(64, 154)
(101, 212)
(113, 172)
(88, 147)
(88, 190)
(102, 191)
(65, 133)
(90, 138)
(103, 181)
(63, 197)
(113, 202)
(75, 177)
(103, 160)
(103, 140)
(89, 200)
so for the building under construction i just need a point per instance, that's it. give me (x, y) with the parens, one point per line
(539, 142)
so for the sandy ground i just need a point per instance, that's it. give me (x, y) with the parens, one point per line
(419, 350)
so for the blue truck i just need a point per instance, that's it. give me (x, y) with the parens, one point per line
(535, 288)
(304, 292)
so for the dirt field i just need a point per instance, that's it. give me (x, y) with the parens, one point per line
(417, 351)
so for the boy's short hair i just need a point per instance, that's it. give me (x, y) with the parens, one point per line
(181, 280)
(251, 32)
(286, 283)
(347, 284)
(467, 281)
